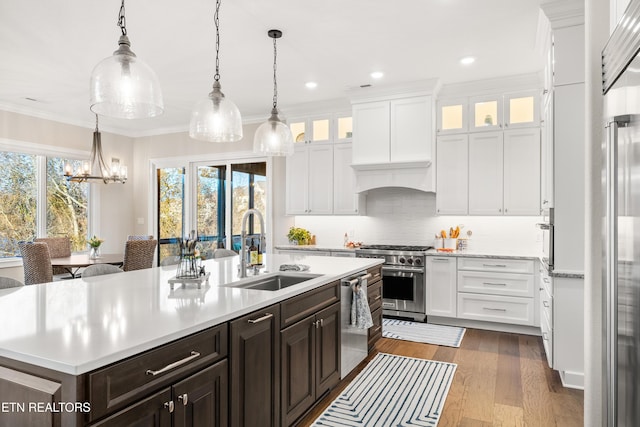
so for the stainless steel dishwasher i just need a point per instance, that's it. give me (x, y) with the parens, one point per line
(354, 340)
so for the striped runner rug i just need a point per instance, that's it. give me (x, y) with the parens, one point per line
(392, 391)
(449, 336)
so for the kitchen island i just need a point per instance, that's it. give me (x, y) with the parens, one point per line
(60, 339)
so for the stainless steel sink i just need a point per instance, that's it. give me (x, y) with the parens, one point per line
(273, 282)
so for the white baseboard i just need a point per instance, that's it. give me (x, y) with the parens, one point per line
(572, 379)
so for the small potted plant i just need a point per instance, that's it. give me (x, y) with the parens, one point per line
(94, 243)
(299, 236)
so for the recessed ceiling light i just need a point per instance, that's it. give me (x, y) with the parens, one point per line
(311, 85)
(467, 60)
(377, 74)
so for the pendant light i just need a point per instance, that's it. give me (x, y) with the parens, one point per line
(273, 138)
(215, 118)
(122, 85)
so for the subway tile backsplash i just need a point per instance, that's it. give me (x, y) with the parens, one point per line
(406, 216)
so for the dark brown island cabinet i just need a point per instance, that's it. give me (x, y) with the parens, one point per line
(267, 368)
(374, 296)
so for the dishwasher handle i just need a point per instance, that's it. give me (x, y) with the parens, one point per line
(356, 280)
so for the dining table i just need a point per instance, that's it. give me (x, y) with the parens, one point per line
(75, 262)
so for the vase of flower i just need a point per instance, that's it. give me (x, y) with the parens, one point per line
(94, 251)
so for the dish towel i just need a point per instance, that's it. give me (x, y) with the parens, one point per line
(360, 313)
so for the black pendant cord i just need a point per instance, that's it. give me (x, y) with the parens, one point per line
(216, 20)
(122, 21)
(275, 81)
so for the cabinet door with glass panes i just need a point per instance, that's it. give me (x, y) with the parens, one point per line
(311, 129)
(485, 113)
(452, 116)
(521, 109)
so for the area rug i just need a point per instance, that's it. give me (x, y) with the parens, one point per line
(392, 391)
(449, 336)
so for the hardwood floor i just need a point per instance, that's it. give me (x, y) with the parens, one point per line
(502, 379)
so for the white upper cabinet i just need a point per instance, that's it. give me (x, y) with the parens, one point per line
(452, 175)
(345, 199)
(371, 129)
(394, 131)
(521, 110)
(522, 172)
(452, 116)
(485, 173)
(310, 180)
(343, 127)
(485, 113)
(411, 129)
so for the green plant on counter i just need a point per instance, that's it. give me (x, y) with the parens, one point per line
(299, 235)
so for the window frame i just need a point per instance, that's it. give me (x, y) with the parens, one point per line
(191, 163)
(42, 153)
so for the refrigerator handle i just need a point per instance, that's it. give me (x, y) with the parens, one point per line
(611, 280)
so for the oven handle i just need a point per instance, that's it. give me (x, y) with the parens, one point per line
(403, 269)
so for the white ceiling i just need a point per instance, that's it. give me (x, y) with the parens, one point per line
(48, 49)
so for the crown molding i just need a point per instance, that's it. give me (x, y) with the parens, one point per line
(505, 84)
(402, 90)
(564, 13)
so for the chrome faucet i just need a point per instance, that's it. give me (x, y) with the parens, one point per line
(243, 238)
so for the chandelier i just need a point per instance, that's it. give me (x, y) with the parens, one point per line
(95, 169)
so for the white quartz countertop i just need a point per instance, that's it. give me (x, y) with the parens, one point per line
(76, 326)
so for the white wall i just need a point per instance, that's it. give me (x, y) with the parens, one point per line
(406, 216)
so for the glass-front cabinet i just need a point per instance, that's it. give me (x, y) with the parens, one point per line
(324, 128)
(485, 113)
(521, 110)
(452, 116)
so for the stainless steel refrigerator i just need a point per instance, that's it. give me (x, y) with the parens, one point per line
(621, 181)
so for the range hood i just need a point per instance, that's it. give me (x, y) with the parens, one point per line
(417, 175)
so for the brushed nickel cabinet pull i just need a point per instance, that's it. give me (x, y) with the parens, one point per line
(261, 319)
(545, 303)
(169, 405)
(545, 336)
(322, 323)
(184, 398)
(494, 284)
(495, 265)
(494, 309)
(170, 366)
(379, 297)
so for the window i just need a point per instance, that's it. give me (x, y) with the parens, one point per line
(249, 191)
(170, 210)
(36, 200)
(211, 206)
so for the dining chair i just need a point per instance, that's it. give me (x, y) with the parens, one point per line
(138, 254)
(139, 237)
(100, 269)
(223, 253)
(170, 260)
(36, 261)
(59, 247)
(8, 282)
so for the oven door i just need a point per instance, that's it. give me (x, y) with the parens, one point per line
(403, 289)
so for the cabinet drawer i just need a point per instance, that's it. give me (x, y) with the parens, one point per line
(502, 265)
(494, 308)
(376, 273)
(113, 387)
(546, 281)
(547, 339)
(375, 332)
(374, 295)
(517, 285)
(546, 306)
(297, 308)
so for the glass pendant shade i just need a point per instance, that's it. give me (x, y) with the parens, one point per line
(273, 138)
(123, 86)
(216, 119)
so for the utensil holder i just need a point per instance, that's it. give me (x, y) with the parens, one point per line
(451, 243)
(189, 266)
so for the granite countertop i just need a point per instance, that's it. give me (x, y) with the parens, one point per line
(483, 254)
(75, 326)
(314, 248)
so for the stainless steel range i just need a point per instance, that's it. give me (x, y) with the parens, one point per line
(403, 274)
